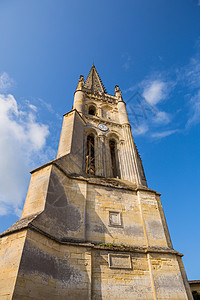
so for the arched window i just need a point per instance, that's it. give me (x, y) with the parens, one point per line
(90, 155)
(92, 110)
(113, 150)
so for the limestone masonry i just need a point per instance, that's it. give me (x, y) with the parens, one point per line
(90, 227)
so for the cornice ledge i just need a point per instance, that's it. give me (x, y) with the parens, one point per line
(75, 110)
(107, 247)
(146, 189)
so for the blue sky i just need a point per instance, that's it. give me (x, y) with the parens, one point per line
(150, 48)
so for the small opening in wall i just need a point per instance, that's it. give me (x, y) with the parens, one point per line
(90, 155)
(92, 110)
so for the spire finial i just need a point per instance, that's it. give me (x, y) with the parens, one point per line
(80, 83)
(118, 92)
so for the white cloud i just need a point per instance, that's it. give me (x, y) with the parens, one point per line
(192, 73)
(164, 133)
(33, 107)
(155, 91)
(130, 89)
(194, 110)
(190, 77)
(147, 106)
(162, 117)
(49, 107)
(5, 82)
(142, 108)
(140, 129)
(22, 139)
(3, 209)
(127, 61)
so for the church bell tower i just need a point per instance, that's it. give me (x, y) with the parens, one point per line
(107, 147)
(91, 228)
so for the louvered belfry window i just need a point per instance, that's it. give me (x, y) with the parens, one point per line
(90, 155)
(113, 149)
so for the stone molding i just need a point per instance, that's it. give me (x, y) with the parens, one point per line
(82, 243)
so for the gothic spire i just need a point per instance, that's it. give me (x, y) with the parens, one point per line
(93, 82)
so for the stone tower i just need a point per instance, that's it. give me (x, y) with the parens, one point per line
(90, 227)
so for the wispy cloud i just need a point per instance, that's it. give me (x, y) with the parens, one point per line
(33, 107)
(180, 84)
(163, 134)
(49, 107)
(127, 61)
(22, 142)
(191, 73)
(161, 117)
(140, 129)
(6, 82)
(194, 112)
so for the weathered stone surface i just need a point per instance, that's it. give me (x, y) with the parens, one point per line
(119, 261)
(87, 235)
(49, 270)
(11, 248)
(195, 288)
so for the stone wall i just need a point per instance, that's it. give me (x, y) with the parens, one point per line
(52, 270)
(121, 282)
(94, 239)
(71, 138)
(37, 191)
(85, 211)
(102, 204)
(11, 248)
(49, 270)
(90, 237)
(64, 213)
(195, 288)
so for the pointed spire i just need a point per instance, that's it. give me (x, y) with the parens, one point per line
(93, 82)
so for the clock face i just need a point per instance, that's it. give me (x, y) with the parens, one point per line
(102, 127)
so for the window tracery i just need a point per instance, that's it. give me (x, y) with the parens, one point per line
(90, 155)
(113, 150)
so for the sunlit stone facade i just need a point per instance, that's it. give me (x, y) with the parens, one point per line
(91, 228)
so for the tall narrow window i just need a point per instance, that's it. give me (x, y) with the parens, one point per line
(113, 150)
(90, 155)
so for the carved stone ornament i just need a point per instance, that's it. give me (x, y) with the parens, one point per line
(102, 127)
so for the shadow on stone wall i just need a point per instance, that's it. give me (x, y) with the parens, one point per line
(48, 269)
